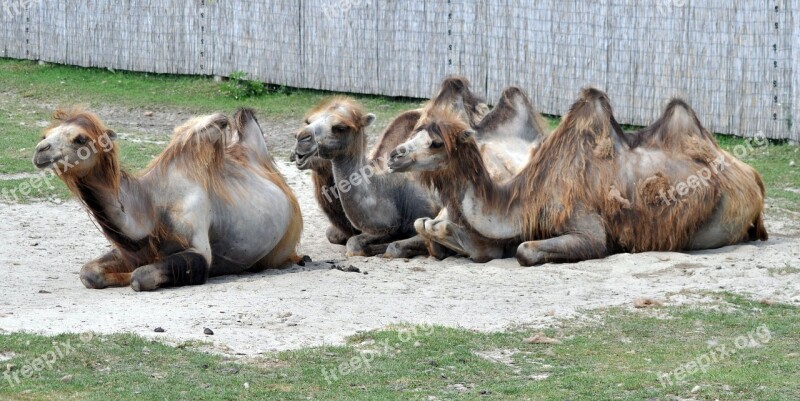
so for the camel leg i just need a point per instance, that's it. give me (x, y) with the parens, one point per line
(188, 267)
(367, 244)
(109, 270)
(459, 240)
(407, 248)
(336, 235)
(587, 240)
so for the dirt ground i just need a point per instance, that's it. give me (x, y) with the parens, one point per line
(44, 245)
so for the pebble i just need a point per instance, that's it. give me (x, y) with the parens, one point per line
(208, 331)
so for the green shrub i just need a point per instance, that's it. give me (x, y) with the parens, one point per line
(239, 87)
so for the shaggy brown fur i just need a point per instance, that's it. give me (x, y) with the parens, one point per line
(583, 168)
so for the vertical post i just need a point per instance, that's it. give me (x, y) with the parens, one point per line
(794, 101)
(780, 67)
(204, 70)
(450, 47)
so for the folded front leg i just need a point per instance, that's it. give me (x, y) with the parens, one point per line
(586, 240)
(368, 244)
(109, 270)
(188, 267)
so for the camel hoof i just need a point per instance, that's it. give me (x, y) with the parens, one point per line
(439, 251)
(419, 225)
(92, 278)
(393, 251)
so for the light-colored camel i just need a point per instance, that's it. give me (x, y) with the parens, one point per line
(212, 203)
(590, 190)
(454, 93)
(504, 139)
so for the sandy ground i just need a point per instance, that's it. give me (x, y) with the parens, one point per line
(44, 245)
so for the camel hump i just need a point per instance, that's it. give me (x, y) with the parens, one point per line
(677, 128)
(592, 113)
(397, 132)
(513, 116)
(201, 139)
(250, 134)
(454, 92)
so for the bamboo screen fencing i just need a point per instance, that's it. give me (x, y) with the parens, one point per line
(736, 62)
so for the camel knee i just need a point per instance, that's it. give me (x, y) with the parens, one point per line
(336, 236)
(529, 254)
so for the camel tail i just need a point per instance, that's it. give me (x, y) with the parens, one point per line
(758, 231)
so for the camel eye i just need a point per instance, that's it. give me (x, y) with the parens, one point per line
(437, 145)
(339, 129)
(80, 140)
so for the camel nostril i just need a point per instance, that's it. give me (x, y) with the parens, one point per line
(45, 148)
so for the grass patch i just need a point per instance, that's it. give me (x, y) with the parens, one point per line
(62, 84)
(620, 357)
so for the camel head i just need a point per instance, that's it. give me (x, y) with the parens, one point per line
(333, 129)
(433, 144)
(75, 144)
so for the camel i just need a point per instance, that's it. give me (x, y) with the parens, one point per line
(589, 190)
(383, 206)
(340, 229)
(304, 155)
(504, 138)
(454, 92)
(212, 203)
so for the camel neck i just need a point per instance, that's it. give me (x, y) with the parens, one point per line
(125, 213)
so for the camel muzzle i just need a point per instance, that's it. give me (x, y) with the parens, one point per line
(42, 158)
(399, 160)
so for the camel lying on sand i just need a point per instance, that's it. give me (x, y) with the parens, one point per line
(212, 203)
(590, 190)
(504, 139)
(453, 93)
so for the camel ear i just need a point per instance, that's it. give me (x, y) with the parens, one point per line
(111, 135)
(369, 119)
(466, 135)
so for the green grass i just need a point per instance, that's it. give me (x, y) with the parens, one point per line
(68, 85)
(773, 162)
(618, 358)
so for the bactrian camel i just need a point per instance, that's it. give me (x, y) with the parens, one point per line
(212, 203)
(590, 190)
